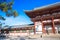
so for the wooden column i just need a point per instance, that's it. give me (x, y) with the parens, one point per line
(34, 28)
(53, 26)
(43, 29)
(28, 32)
(20, 31)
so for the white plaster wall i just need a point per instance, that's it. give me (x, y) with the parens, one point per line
(38, 26)
(18, 34)
(47, 27)
(57, 27)
(50, 27)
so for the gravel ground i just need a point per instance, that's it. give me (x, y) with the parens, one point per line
(26, 38)
(45, 39)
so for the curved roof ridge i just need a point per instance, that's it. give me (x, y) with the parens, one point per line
(46, 6)
(50, 5)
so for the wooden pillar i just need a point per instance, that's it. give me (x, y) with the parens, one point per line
(53, 26)
(34, 28)
(28, 32)
(43, 28)
(20, 31)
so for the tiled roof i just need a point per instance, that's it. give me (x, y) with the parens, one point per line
(47, 6)
(20, 26)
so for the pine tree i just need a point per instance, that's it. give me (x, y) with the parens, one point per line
(6, 6)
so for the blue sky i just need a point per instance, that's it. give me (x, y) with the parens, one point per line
(20, 6)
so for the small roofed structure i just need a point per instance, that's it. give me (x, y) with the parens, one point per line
(48, 14)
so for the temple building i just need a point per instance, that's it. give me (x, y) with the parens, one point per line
(18, 30)
(46, 19)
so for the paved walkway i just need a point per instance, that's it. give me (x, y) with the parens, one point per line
(23, 38)
(44, 37)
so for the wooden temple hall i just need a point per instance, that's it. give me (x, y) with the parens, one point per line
(46, 19)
